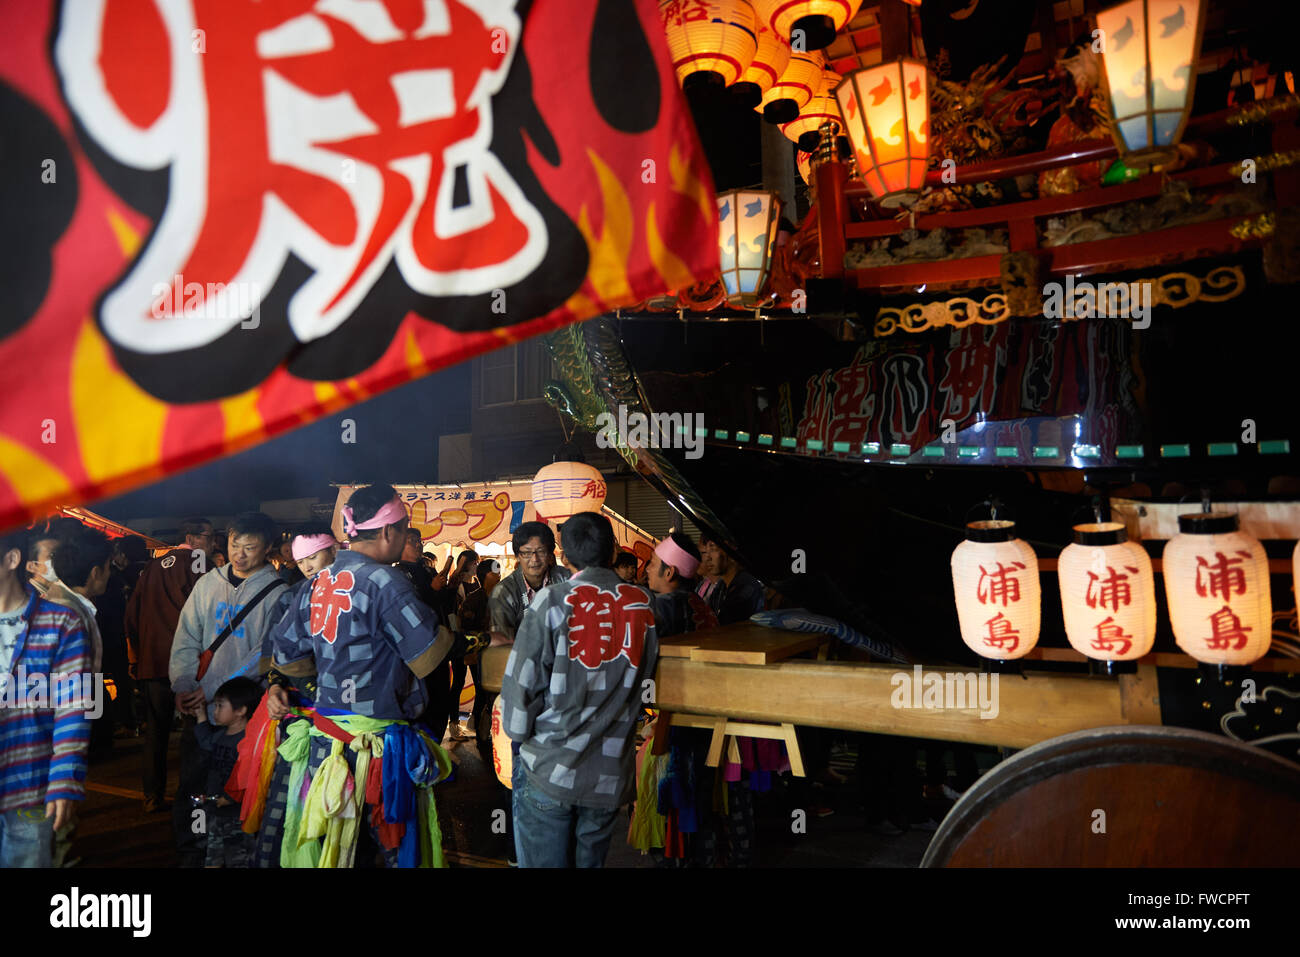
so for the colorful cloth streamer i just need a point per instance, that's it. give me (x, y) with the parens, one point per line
(296, 750)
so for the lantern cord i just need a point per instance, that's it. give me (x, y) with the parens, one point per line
(1052, 546)
(1205, 500)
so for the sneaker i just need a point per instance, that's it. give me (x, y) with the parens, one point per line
(469, 726)
(456, 732)
(951, 794)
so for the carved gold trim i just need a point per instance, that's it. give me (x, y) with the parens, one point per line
(1272, 161)
(1256, 227)
(1175, 289)
(1263, 108)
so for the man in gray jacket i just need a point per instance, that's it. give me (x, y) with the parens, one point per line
(218, 599)
(534, 546)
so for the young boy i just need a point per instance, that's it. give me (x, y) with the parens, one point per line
(232, 706)
(570, 697)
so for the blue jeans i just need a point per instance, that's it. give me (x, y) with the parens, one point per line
(550, 833)
(26, 838)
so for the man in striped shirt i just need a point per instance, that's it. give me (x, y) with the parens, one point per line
(44, 728)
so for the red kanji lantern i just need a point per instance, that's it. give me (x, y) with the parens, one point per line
(817, 21)
(769, 62)
(710, 40)
(819, 110)
(1216, 579)
(563, 489)
(794, 88)
(886, 112)
(995, 581)
(1108, 594)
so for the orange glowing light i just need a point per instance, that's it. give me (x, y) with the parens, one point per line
(886, 112)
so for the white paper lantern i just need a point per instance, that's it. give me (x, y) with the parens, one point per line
(1108, 594)
(563, 489)
(999, 600)
(1216, 579)
(502, 755)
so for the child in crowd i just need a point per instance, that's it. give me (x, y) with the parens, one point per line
(233, 705)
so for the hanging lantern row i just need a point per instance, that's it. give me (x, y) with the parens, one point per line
(807, 24)
(1216, 583)
(771, 57)
(801, 78)
(819, 110)
(710, 40)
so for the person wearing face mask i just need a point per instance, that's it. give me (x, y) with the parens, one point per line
(40, 555)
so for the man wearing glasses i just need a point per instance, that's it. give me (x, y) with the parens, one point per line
(534, 546)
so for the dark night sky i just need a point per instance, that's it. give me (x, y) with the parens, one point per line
(396, 441)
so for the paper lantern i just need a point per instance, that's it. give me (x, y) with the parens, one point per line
(816, 20)
(1216, 579)
(747, 225)
(995, 581)
(502, 755)
(886, 112)
(794, 88)
(713, 40)
(563, 489)
(1149, 51)
(770, 61)
(819, 110)
(803, 163)
(1108, 594)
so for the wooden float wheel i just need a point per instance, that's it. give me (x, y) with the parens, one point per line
(1133, 796)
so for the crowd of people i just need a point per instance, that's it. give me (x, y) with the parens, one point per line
(317, 685)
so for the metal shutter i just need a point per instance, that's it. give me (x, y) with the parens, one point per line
(647, 508)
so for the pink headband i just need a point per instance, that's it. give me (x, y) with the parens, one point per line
(304, 546)
(673, 554)
(390, 514)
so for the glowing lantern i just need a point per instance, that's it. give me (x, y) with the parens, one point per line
(769, 63)
(563, 489)
(1216, 578)
(1150, 49)
(817, 20)
(803, 163)
(886, 112)
(1108, 594)
(502, 755)
(821, 109)
(747, 225)
(794, 88)
(999, 601)
(710, 40)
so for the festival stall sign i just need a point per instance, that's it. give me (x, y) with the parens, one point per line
(483, 516)
(225, 220)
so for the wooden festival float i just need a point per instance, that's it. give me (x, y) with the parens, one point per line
(954, 338)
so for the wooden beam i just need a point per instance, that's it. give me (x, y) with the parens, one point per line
(860, 697)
